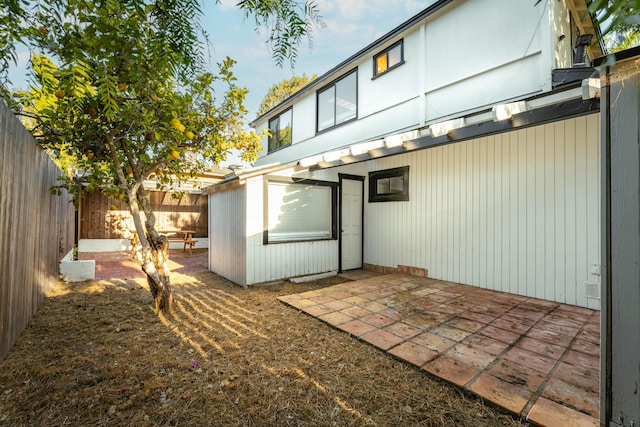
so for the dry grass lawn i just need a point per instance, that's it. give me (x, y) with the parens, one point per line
(96, 355)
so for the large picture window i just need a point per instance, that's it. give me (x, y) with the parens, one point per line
(389, 185)
(388, 59)
(299, 210)
(338, 102)
(280, 130)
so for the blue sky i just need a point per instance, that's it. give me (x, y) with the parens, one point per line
(350, 26)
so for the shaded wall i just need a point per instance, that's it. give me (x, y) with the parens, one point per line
(36, 227)
(103, 217)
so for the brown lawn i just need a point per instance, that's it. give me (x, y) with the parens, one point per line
(96, 354)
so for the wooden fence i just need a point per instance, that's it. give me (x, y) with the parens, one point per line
(36, 227)
(104, 217)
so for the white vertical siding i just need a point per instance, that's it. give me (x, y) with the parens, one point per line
(515, 212)
(278, 261)
(227, 243)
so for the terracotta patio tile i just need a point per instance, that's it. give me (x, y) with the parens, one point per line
(335, 318)
(586, 346)
(478, 317)
(572, 396)
(450, 332)
(377, 319)
(340, 294)
(565, 321)
(549, 336)
(543, 348)
(589, 335)
(421, 320)
(374, 306)
(338, 305)
(355, 311)
(517, 374)
(532, 360)
(413, 353)
(519, 319)
(289, 299)
(434, 342)
(499, 334)
(317, 310)
(465, 324)
(570, 331)
(302, 303)
(321, 298)
(382, 339)
(451, 370)
(533, 314)
(582, 359)
(448, 309)
(502, 393)
(587, 379)
(546, 412)
(508, 324)
(471, 356)
(391, 313)
(356, 327)
(582, 311)
(356, 300)
(403, 330)
(487, 344)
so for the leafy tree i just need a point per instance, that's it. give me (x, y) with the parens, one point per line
(120, 92)
(282, 90)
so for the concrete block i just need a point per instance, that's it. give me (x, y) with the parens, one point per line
(78, 271)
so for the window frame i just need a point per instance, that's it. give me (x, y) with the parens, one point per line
(385, 52)
(333, 85)
(279, 145)
(301, 181)
(376, 176)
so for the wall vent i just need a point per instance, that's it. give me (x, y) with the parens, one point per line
(592, 290)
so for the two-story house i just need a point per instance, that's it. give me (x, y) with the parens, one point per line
(463, 144)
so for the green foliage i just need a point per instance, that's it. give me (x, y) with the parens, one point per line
(616, 14)
(282, 90)
(117, 96)
(288, 24)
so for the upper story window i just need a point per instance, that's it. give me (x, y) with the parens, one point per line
(389, 59)
(280, 129)
(338, 102)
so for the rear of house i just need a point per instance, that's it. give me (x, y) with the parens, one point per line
(462, 145)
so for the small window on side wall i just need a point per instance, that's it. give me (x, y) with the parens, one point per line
(389, 185)
(280, 130)
(388, 59)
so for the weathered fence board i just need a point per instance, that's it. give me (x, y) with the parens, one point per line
(36, 228)
(103, 217)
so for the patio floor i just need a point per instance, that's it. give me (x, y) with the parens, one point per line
(537, 359)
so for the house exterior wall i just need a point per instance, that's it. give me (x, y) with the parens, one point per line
(227, 242)
(267, 263)
(517, 212)
(506, 50)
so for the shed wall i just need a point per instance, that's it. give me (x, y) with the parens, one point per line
(278, 261)
(227, 231)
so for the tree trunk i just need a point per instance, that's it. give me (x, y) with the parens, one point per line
(153, 251)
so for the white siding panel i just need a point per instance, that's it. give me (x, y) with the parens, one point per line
(515, 212)
(266, 263)
(227, 247)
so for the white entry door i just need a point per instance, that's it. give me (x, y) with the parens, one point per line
(351, 205)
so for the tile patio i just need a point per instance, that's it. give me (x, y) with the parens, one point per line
(535, 358)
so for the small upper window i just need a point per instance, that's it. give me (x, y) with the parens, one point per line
(389, 185)
(280, 129)
(388, 59)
